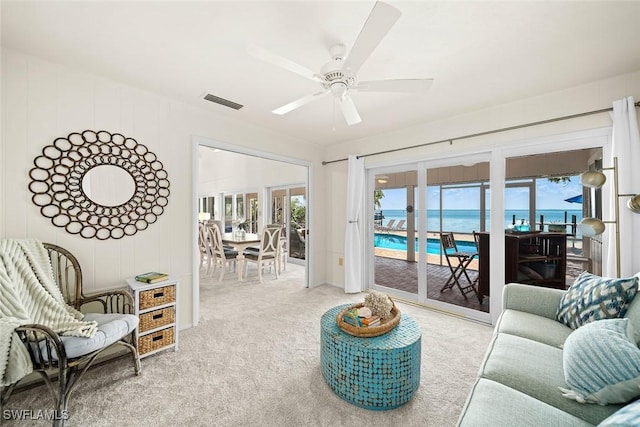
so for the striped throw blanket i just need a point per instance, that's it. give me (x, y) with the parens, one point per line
(29, 294)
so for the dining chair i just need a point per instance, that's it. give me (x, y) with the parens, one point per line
(268, 252)
(202, 243)
(207, 251)
(223, 257)
(283, 254)
(458, 266)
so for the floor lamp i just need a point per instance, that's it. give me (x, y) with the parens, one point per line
(590, 226)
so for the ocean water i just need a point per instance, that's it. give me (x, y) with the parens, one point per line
(468, 220)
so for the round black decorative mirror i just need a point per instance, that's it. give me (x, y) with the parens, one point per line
(99, 185)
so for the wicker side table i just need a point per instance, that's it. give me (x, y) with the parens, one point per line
(378, 373)
(156, 307)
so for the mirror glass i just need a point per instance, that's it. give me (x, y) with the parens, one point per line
(108, 185)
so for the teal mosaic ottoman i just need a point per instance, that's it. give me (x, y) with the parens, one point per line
(378, 373)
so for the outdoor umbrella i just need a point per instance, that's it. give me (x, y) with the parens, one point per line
(574, 199)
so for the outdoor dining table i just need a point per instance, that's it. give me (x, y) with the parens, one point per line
(240, 243)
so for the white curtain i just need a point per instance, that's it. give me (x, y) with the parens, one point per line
(354, 236)
(626, 147)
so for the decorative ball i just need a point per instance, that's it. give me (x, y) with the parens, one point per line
(379, 303)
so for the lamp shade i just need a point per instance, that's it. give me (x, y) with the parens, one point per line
(590, 227)
(634, 204)
(593, 179)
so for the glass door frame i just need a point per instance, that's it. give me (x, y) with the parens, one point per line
(496, 154)
(421, 204)
(286, 215)
(529, 184)
(370, 230)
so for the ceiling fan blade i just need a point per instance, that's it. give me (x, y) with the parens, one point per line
(299, 102)
(349, 110)
(378, 24)
(283, 62)
(398, 85)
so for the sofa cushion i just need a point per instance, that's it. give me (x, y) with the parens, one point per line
(602, 363)
(493, 404)
(593, 297)
(537, 328)
(535, 369)
(627, 416)
(532, 299)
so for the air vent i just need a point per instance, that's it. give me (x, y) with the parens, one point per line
(223, 101)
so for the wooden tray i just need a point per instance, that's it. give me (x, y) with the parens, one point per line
(370, 331)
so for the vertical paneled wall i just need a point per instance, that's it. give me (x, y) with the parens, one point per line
(42, 101)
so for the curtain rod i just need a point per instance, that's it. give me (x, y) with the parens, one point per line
(473, 135)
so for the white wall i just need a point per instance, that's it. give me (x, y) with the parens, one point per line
(589, 97)
(227, 172)
(42, 101)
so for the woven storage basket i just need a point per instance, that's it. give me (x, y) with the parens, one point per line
(156, 340)
(155, 319)
(158, 296)
(370, 331)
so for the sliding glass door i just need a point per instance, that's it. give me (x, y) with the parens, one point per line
(456, 213)
(289, 208)
(395, 246)
(412, 209)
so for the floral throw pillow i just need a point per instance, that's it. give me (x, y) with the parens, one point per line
(593, 297)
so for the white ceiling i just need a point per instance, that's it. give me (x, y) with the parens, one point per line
(480, 53)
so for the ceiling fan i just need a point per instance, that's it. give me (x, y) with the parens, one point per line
(339, 76)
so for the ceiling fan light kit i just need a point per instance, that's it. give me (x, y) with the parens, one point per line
(339, 76)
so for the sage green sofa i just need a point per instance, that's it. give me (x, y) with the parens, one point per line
(518, 381)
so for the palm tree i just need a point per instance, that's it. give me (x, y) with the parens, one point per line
(377, 196)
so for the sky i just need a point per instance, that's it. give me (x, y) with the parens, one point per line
(549, 196)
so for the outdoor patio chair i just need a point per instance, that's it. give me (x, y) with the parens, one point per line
(389, 225)
(297, 243)
(67, 358)
(268, 252)
(458, 267)
(400, 226)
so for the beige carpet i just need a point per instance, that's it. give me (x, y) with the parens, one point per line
(254, 360)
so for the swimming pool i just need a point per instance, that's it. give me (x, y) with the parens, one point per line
(399, 243)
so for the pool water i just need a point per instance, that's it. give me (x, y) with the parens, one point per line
(399, 243)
